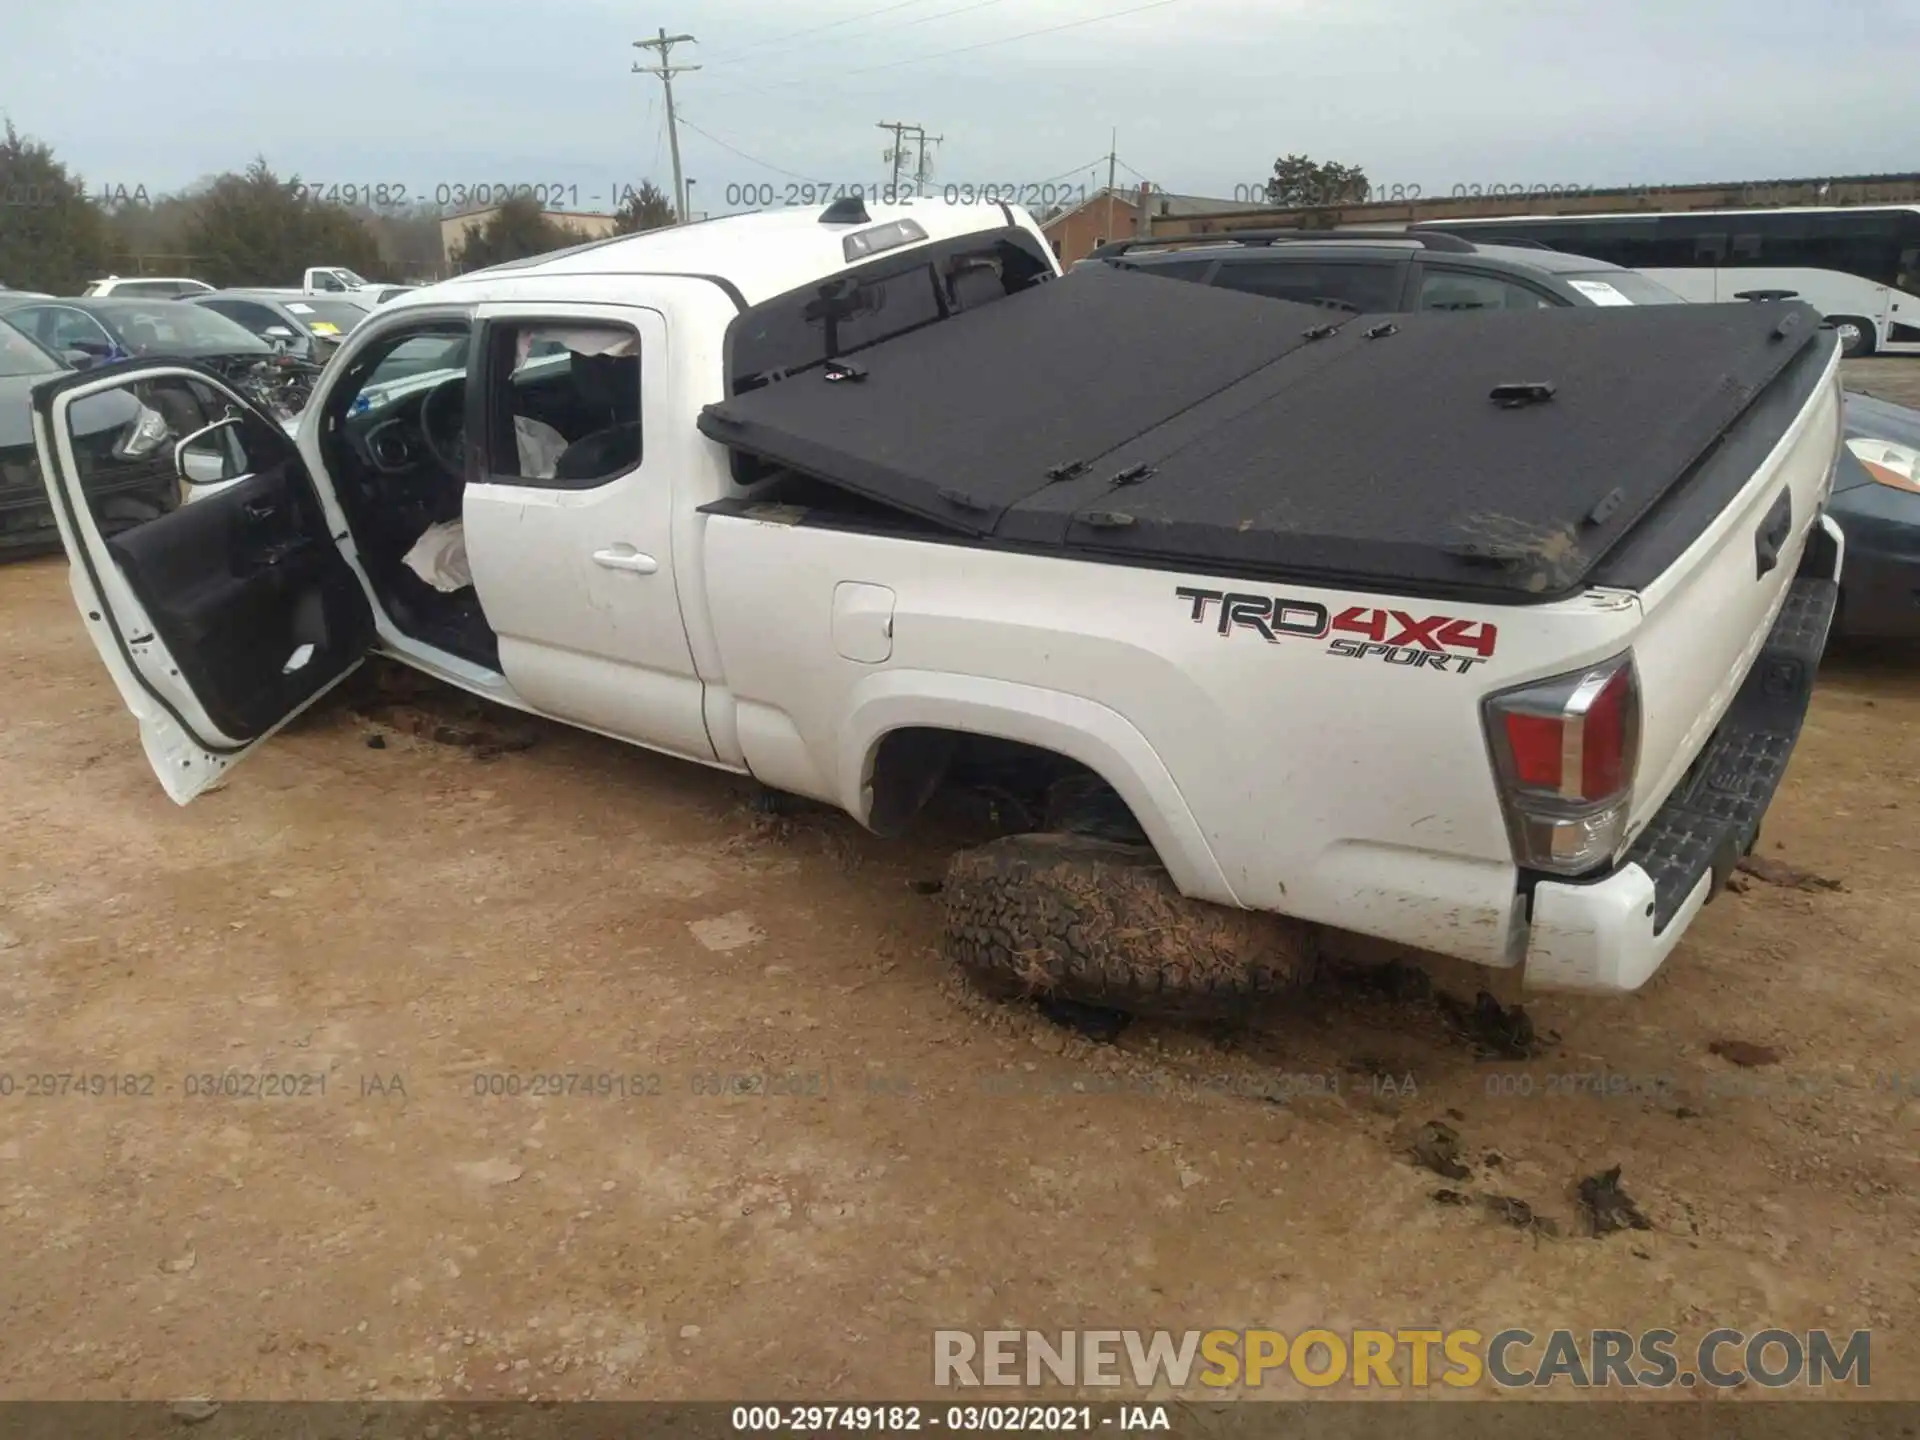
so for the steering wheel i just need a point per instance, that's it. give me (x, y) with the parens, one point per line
(443, 425)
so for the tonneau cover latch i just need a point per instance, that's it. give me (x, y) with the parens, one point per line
(1521, 392)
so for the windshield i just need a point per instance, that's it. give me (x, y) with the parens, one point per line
(161, 327)
(1635, 288)
(351, 278)
(329, 317)
(20, 356)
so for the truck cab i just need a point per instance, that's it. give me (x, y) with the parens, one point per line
(546, 408)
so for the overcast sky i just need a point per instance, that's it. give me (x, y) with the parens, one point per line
(1203, 93)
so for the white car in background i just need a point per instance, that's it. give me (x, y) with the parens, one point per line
(146, 287)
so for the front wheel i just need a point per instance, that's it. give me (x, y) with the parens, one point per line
(1077, 918)
(1856, 335)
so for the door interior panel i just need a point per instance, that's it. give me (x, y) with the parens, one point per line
(235, 584)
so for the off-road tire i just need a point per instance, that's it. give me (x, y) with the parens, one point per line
(1079, 918)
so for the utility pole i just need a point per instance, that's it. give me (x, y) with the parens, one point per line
(1113, 157)
(920, 171)
(896, 152)
(664, 43)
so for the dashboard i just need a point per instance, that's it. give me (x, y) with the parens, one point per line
(392, 484)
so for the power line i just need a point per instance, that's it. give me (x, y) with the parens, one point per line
(957, 50)
(1009, 39)
(901, 25)
(729, 58)
(750, 159)
(1074, 170)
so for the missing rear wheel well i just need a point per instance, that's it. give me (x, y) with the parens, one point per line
(1024, 787)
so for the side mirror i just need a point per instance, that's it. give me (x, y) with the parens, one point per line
(204, 458)
(78, 359)
(277, 332)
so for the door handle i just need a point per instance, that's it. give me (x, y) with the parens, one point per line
(1774, 533)
(625, 557)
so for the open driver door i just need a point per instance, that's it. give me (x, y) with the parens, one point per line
(221, 614)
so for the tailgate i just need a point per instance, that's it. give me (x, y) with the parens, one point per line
(1706, 617)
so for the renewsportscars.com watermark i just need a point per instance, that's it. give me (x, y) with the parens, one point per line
(1773, 1359)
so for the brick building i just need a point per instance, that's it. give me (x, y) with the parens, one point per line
(1116, 214)
(455, 228)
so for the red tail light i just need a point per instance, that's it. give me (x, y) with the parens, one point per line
(1565, 750)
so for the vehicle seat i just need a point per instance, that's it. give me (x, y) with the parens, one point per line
(607, 388)
(602, 454)
(975, 284)
(1452, 297)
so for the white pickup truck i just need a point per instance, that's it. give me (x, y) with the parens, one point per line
(338, 280)
(1484, 635)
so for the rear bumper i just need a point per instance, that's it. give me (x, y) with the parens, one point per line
(1609, 935)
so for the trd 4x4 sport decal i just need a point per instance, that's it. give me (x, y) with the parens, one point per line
(1430, 642)
(1263, 614)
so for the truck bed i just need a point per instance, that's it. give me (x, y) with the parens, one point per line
(1118, 416)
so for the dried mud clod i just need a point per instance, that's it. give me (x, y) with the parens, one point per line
(1791, 877)
(1744, 1053)
(474, 730)
(1435, 1146)
(1496, 1031)
(1519, 1214)
(1606, 1207)
(1071, 917)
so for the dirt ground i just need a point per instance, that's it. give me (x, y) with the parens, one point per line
(401, 929)
(1891, 377)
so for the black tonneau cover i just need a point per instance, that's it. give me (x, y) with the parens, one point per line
(1118, 415)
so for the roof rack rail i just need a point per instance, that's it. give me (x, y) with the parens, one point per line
(1512, 242)
(1429, 239)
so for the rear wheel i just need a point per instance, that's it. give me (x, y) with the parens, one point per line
(1856, 335)
(1075, 917)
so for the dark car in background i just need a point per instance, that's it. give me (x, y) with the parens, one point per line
(84, 333)
(307, 326)
(1384, 272)
(1876, 500)
(125, 452)
(88, 332)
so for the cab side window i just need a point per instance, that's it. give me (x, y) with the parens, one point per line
(562, 403)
